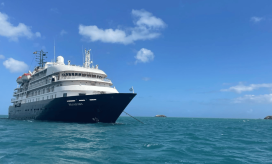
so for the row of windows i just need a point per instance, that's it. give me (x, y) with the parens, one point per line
(33, 109)
(42, 91)
(42, 98)
(81, 74)
(40, 82)
(39, 75)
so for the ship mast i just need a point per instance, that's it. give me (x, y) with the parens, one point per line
(87, 58)
(40, 57)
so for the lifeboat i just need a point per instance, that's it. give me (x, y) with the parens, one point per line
(19, 80)
(26, 77)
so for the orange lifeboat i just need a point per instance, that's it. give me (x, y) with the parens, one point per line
(19, 80)
(26, 77)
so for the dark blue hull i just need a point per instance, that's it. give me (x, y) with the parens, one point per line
(82, 109)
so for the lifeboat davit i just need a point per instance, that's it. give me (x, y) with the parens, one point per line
(26, 77)
(19, 80)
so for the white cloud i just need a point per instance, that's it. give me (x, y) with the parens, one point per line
(2, 57)
(63, 32)
(256, 19)
(146, 27)
(15, 66)
(147, 19)
(242, 88)
(146, 78)
(144, 55)
(14, 32)
(266, 98)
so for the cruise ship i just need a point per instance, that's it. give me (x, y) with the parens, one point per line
(56, 91)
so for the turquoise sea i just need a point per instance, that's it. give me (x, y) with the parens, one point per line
(158, 140)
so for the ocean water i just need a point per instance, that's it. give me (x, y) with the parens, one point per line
(158, 140)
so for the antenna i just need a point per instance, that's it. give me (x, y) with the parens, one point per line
(87, 58)
(91, 56)
(40, 57)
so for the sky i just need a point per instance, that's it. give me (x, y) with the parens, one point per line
(184, 58)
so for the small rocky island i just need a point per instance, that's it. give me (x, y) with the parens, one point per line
(160, 116)
(268, 118)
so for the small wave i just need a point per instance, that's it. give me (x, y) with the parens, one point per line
(152, 145)
(119, 123)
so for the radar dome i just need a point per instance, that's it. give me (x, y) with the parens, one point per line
(60, 60)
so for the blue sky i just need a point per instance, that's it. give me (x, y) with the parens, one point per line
(183, 58)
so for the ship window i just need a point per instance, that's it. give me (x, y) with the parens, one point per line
(83, 75)
(89, 75)
(81, 100)
(67, 74)
(82, 94)
(72, 74)
(71, 100)
(79, 74)
(93, 76)
(75, 74)
(92, 99)
(64, 94)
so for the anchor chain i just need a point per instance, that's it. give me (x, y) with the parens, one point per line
(133, 117)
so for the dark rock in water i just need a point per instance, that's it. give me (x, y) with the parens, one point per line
(268, 117)
(160, 116)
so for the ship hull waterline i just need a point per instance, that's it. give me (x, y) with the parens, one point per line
(104, 108)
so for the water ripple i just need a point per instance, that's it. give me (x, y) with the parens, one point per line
(159, 140)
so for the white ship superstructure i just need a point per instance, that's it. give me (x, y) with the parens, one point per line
(56, 80)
